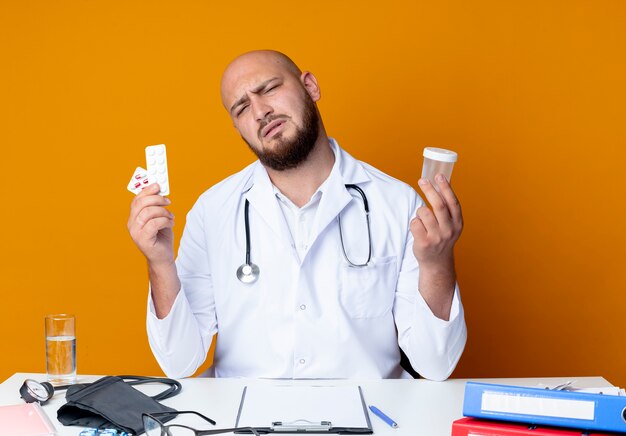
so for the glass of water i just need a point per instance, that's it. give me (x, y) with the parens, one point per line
(61, 349)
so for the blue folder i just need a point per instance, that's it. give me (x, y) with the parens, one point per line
(545, 407)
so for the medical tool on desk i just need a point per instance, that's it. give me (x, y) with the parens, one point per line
(110, 402)
(33, 391)
(249, 272)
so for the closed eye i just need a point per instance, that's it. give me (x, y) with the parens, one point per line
(241, 110)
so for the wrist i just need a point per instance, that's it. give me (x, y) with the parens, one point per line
(163, 278)
(164, 285)
(441, 266)
(436, 284)
(161, 268)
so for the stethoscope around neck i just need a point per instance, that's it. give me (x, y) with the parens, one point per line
(249, 272)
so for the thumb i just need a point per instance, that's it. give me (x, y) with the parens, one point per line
(416, 226)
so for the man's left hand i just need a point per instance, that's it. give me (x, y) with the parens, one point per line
(436, 231)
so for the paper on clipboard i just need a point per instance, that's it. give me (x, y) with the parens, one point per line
(262, 405)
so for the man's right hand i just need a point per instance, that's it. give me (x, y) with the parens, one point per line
(150, 226)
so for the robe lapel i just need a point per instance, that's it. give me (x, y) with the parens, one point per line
(264, 203)
(335, 195)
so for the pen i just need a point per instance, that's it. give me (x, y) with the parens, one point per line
(376, 411)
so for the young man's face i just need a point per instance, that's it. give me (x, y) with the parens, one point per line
(271, 109)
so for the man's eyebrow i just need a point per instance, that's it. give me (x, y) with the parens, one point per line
(255, 90)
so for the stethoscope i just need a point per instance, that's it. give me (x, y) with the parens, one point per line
(249, 272)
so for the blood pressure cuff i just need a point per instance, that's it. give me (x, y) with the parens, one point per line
(113, 402)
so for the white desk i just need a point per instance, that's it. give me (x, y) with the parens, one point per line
(420, 407)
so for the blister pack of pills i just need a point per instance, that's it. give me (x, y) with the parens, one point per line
(156, 162)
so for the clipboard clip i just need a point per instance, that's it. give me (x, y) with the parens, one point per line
(301, 426)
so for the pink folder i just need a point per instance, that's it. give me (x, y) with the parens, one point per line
(25, 420)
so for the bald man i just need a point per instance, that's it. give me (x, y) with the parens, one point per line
(346, 265)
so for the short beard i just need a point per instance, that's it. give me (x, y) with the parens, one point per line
(288, 154)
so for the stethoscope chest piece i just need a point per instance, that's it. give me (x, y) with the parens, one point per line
(248, 273)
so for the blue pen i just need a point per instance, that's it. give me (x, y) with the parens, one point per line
(376, 411)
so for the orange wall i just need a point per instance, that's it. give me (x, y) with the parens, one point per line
(530, 93)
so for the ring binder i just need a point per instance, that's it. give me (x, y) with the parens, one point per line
(540, 406)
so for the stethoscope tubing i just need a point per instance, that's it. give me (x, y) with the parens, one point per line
(369, 233)
(247, 223)
(249, 272)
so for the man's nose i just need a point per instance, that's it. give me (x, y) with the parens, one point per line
(261, 110)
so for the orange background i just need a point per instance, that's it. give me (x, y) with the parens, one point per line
(530, 93)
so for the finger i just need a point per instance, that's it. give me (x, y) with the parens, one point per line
(160, 224)
(142, 201)
(440, 208)
(454, 207)
(151, 212)
(151, 189)
(429, 221)
(155, 225)
(417, 229)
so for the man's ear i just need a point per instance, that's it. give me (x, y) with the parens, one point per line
(310, 84)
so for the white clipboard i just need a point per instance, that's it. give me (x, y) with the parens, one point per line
(308, 409)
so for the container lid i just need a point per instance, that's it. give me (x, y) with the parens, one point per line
(440, 154)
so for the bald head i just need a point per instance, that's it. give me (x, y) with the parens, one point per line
(253, 63)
